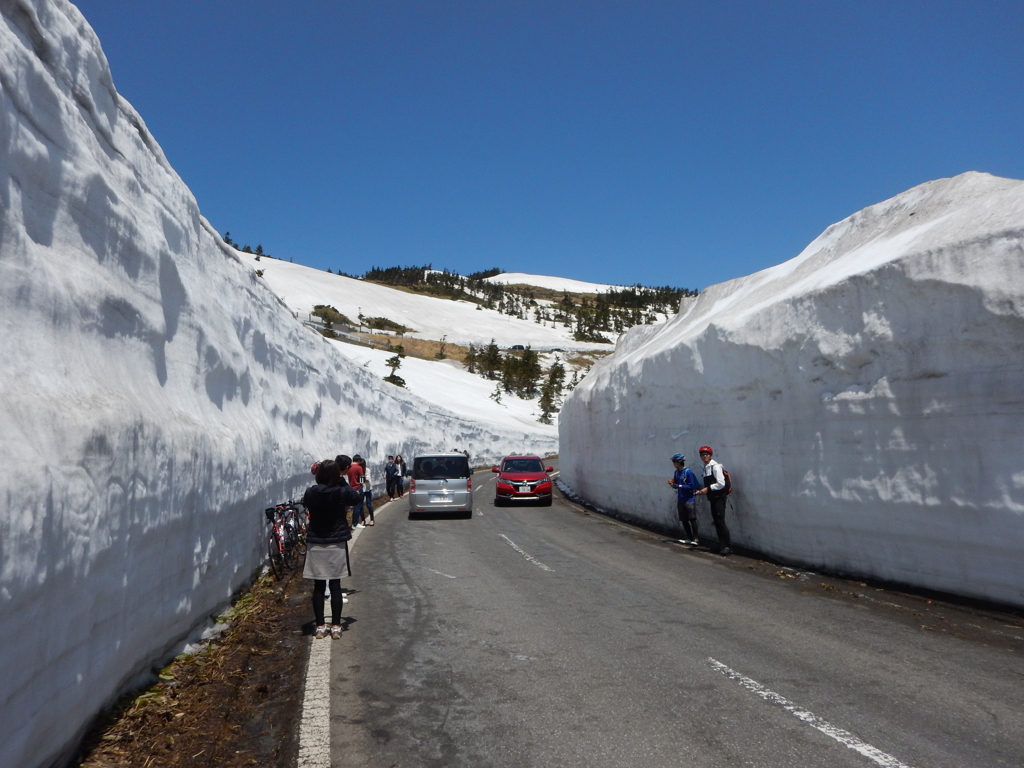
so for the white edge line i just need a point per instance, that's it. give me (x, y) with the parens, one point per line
(843, 737)
(315, 720)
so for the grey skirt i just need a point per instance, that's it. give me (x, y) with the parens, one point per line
(325, 561)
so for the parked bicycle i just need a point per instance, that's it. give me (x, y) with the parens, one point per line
(298, 518)
(283, 543)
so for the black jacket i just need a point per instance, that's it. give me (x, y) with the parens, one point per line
(326, 505)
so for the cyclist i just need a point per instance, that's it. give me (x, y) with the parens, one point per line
(715, 491)
(685, 483)
(327, 540)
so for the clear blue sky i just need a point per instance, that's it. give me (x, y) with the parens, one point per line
(679, 143)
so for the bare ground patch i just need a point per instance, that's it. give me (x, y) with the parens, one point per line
(235, 703)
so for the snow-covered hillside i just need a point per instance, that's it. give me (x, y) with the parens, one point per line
(866, 396)
(463, 322)
(156, 394)
(449, 386)
(551, 283)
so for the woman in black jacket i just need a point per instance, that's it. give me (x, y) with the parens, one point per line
(326, 554)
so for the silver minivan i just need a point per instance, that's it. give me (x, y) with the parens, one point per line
(441, 482)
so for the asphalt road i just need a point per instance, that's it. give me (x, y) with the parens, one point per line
(550, 636)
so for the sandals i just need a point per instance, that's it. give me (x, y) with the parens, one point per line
(336, 632)
(371, 523)
(321, 632)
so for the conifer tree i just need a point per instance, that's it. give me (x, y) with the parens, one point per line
(394, 363)
(489, 361)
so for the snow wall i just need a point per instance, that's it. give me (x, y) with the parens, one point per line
(155, 395)
(867, 398)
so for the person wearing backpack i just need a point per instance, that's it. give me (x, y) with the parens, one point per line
(716, 489)
(685, 483)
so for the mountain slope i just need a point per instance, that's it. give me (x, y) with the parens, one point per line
(302, 288)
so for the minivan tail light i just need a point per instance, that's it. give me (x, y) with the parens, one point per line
(469, 483)
(412, 485)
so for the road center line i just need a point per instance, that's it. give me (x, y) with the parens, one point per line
(531, 558)
(438, 573)
(843, 737)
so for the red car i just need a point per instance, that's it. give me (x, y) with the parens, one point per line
(522, 479)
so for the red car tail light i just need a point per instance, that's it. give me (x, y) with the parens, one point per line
(412, 485)
(469, 483)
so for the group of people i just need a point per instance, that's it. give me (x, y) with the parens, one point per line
(395, 473)
(712, 486)
(341, 500)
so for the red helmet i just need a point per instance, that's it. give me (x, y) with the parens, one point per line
(314, 468)
(706, 449)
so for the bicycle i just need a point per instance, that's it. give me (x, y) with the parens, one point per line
(282, 540)
(298, 518)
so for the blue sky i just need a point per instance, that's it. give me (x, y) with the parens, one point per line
(666, 143)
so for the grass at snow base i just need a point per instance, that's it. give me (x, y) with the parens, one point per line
(233, 703)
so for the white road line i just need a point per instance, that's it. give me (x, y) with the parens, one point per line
(531, 558)
(315, 726)
(438, 573)
(843, 737)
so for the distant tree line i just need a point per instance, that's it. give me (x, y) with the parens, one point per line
(589, 318)
(245, 248)
(520, 372)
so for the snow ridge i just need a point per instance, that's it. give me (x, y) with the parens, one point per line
(156, 394)
(865, 395)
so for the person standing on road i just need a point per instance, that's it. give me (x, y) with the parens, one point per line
(355, 481)
(686, 485)
(390, 476)
(714, 490)
(402, 472)
(326, 539)
(367, 488)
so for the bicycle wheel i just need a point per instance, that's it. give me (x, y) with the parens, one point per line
(290, 546)
(274, 555)
(300, 520)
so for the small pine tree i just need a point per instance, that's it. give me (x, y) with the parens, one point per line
(489, 361)
(471, 358)
(227, 238)
(259, 250)
(496, 394)
(394, 363)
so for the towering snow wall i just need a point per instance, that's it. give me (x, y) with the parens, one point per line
(155, 395)
(867, 398)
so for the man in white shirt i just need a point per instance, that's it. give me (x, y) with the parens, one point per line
(715, 491)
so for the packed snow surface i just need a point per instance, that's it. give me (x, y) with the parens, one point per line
(552, 283)
(156, 394)
(866, 397)
(429, 317)
(450, 387)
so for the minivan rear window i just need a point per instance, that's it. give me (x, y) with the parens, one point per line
(440, 467)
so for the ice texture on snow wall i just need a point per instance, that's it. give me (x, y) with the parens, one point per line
(155, 394)
(867, 396)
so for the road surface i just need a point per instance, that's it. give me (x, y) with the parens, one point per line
(551, 636)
